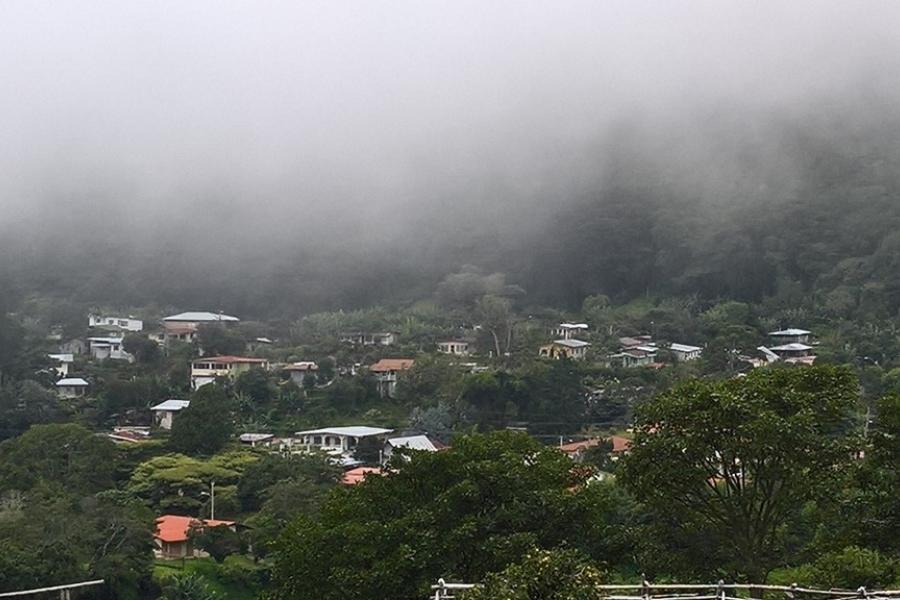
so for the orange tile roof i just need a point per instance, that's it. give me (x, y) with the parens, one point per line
(357, 475)
(620, 444)
(175, 528)
(392, 364)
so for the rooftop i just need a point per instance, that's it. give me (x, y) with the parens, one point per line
(250, 438)
(230, 360)
(571, 343)
(415, 442)
(106, 340)
(619, 444)
(63, 358)
(392, 364)
(202, 317)
(357, 475)
(793, 346)
(790, 332)
(172, 405)
(684, 348)
(72, 382)
(306, 365)
(175, 528)
(352, 431)
(573, 326)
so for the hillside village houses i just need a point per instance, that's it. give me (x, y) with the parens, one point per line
(454, 347)
(183, 327)
(386, 372)
(72, 387)
(207, 369)
(642, 351)
(164, 412)
(115, 323)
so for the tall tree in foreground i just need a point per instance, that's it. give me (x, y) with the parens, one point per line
(728, 465)
(206, 425)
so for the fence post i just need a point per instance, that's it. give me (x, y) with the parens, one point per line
(720, 590)
(645, 587)
(862, 592)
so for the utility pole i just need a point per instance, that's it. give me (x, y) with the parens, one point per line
(212, 500)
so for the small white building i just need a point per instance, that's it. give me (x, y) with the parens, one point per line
(339, 439)
(454, 347)
(164, 412)
(112, 348)
(256, 439)
(299, 370)
(115, 323)
(62, 363)
(569, 331)
(359, 338)
(72, 387)
(684, 352)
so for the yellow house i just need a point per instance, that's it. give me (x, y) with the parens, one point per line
(206, 370)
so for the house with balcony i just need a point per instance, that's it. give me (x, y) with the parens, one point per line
(453, 347)
(569, 331)
(359, 338)
(790, 335)
(387, 371)
(207, 369)
(338, 441)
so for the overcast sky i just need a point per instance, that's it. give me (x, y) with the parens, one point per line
(375, 112)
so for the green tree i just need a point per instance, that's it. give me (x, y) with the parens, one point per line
(219, 340)
(460, 513)
(738, 459)
(255, 384)
(206, 425)
(189, 586)
(219, 542)
(145, 351)
(544, 575)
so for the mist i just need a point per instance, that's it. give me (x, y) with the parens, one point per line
(273, 137)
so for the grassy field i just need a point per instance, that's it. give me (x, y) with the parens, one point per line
(225, 587)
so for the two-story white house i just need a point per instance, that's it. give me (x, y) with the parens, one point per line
(361, 338)
(62, 362)
(207, 369)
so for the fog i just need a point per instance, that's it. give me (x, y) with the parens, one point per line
(271, 126)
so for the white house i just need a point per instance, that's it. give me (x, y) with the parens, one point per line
(117, 323)
(794, 352)
(387, 371)
(299, 370)
(357, 338)
(103, 348)
(454, 347)
(183, 327)
(164, 412)
(256, 439)
(339, 439)
(62, 363)
(568, 331)
(72, 387)
(574, 349)
(413, 442)
(206, 370)
(684, 352)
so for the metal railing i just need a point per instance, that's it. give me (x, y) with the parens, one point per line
(444, 590)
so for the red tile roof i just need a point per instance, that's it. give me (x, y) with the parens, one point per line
(175, 528)
(357, 475)
(392, 364)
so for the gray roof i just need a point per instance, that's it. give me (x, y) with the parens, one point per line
(352, 431)
(571, 343)
(172, 405)
(72, 382)
(684, 348)
(413, 442)
(790, 332)
(201, 317)
(792, 346)
(63, 358)
(250, 438)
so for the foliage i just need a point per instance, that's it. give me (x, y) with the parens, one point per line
(219, 542)
(544, 575)
(737, 459)
(189, 586)
(206, 425)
